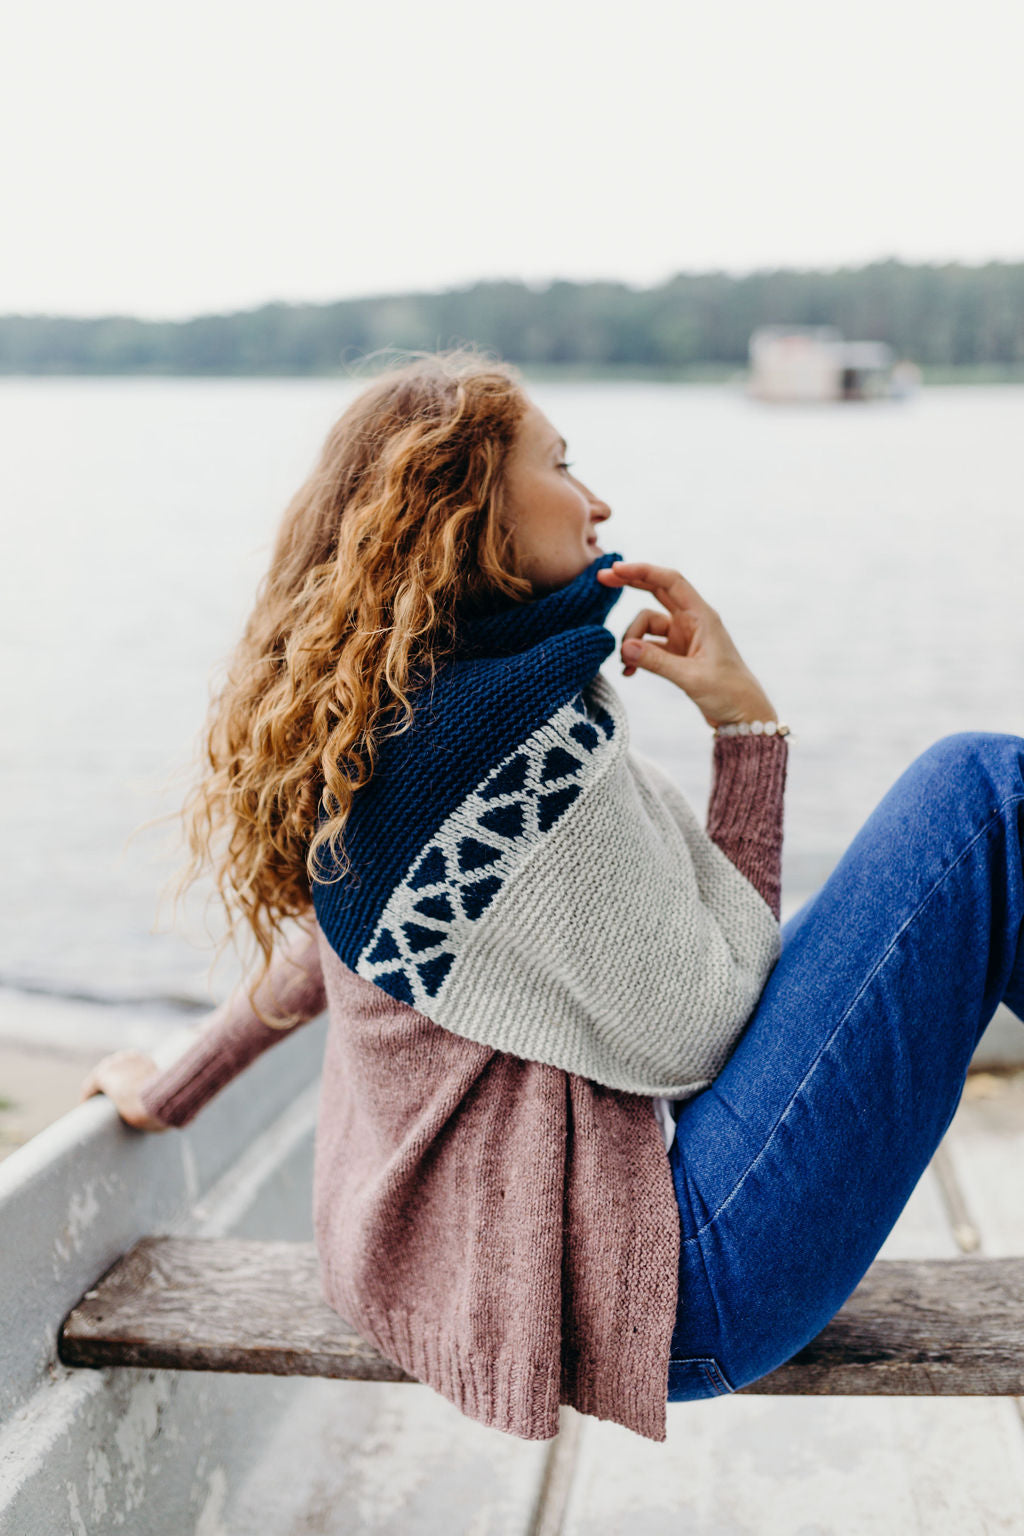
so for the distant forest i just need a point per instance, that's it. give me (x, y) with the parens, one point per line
(942, 317)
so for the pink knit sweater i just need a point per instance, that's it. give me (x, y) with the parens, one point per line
(505, 1231)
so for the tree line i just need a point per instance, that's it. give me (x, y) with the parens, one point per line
(941, 316)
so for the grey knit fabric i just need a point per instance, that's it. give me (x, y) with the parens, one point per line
(623, 945)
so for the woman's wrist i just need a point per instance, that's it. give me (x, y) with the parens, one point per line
(753, 728)
(759, 708)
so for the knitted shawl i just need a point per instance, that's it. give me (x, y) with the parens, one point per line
(522, 878)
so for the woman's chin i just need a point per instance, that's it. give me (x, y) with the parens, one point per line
(551, 579)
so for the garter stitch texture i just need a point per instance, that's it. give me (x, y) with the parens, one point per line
(492, 1204)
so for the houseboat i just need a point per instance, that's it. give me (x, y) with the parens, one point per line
(809, 363)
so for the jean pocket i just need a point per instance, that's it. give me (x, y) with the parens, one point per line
(697, 1376)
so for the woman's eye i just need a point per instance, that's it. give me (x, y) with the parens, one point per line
(565, 464)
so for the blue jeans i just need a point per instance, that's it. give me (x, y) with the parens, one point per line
(792, 1168)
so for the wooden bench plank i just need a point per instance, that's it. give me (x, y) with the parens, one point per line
(939, 1327)
(918, 1328)
(218, 1304)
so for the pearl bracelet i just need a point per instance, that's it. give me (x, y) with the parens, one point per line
(752, 728)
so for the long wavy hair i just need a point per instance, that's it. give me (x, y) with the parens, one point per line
(400, 528)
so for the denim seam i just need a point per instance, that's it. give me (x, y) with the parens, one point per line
(716, 1376)
(997, 813)
(710, 1369)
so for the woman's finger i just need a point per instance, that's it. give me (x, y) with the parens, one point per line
(655, 656)
(111, 1071)
(647, 622)
(120, 1076)
(669, 586)
(97, 1081)
(677, 630)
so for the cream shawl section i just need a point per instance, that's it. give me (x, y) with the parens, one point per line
(623, 945)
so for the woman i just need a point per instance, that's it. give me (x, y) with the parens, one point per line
(541, 971)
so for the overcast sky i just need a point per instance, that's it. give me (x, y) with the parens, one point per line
(168, 160)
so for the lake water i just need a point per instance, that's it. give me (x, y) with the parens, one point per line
(866, 559)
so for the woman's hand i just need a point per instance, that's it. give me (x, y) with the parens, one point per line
(121, 1076)
(698, 654)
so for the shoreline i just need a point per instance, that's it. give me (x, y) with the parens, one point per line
(48, 1044)
(725, 374)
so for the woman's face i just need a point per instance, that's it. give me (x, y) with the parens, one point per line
(553, 514)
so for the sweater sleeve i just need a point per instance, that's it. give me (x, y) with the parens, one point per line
(235, 1035)
(745, 810)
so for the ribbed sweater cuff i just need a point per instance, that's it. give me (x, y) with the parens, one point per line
(178, 1092)
(235, 1034)
(639, 1405)
(745, 812)
(505, 1391)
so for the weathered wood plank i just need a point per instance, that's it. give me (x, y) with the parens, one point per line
(918, 1328)
(218, 1304)
(942, 1327)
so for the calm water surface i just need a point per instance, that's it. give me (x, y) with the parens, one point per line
(867, 560)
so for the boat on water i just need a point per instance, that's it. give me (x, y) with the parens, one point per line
(798, 364)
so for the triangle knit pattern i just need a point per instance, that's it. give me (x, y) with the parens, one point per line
(478, 849)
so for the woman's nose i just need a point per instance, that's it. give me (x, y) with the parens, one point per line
(601, 508)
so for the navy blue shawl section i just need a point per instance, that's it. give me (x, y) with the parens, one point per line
(511, 671)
